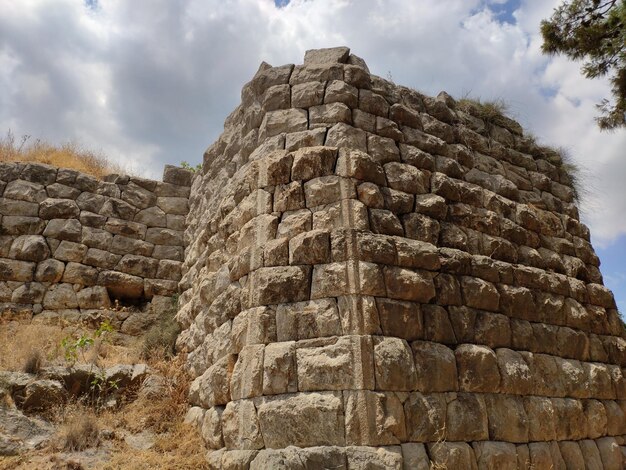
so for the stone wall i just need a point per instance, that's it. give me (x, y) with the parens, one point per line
(378, 279)
(71, 244)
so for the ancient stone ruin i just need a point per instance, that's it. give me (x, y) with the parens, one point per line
(71, 245)
(378, 279)
(369, 278)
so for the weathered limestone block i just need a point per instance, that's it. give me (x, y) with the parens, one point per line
(311, 247)
(353, 163)
(306, 320)
(21, 225)
(358, 315)
(328, 114)
(293, 223)
(400, 318)
(362, 458)
(328, 189)
(313, 162)
(338, 91)
(13, 207)
(344, 363)
(93, 297)
(477, 368)
(507, 418)
(101, 258)
(240, 426)
(284, 120)
(425, 417)
(211, 427)
(466, 418)
(305, 95)
(277, 285)
(311, 138)
(28, 293)
(435, 367)
(77, 273)
(295, 457)
(302, 419)
(170, 205)
(49, 270)
(406, 284)
(514, 372)
(254, 326)
(70, 251)
(452, 455)
(58, 209)
(329, 55)
(60, 296)
(279, 368)
(20, 271)
(373, 418)
(25, 191)
(29, 248)
(274, 168)
(495, 455)
(247, 376)
(344, 135)
(337, 279)
(393, 365)
(277, 97)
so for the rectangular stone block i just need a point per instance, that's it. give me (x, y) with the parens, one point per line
(406, 284)
(247, 377)
(254, 326)
(393, 365)
(305, 320)
(278, 285)
(342, 363)
(302, 420)
(400, 318)
(279, 368)
(435, 367)
(358, 314)
(373, 418)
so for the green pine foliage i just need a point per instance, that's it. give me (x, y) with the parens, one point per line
(593, 31)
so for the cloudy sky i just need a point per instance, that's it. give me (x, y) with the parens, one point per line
(150, 82)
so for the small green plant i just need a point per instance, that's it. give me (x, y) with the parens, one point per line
(74, 347)
(188, 166)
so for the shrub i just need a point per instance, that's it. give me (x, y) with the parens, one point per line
(161, 337)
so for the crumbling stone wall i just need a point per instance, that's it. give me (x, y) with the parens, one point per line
(376, 279)
(71, 244)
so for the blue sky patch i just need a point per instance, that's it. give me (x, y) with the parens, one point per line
(504, 11)
(281, 3)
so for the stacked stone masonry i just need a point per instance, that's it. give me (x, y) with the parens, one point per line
(377, 279)
(71, 244)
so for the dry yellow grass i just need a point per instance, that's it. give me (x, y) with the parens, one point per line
(177, 446)
(19, 341)
(69, 155)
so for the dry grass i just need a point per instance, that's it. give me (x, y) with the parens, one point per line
(68, 155)
(177, 446)
(18, 342)
(79, 431)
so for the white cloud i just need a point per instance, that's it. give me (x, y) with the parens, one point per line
(151, 81)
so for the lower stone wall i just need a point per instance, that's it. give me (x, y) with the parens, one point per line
(71, 245)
